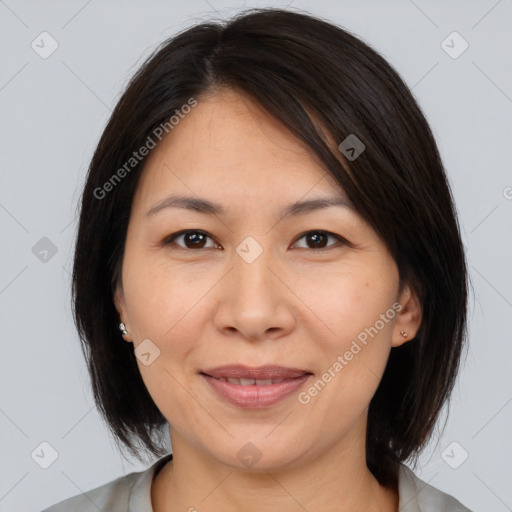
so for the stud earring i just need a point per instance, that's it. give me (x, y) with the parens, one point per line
(122, 328)
(404, 334)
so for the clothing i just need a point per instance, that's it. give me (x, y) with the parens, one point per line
(132, 493)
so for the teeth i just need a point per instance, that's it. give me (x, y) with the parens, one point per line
(233, 380)
(265, 382)
(251, 382)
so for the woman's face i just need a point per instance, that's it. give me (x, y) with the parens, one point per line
(251, 287)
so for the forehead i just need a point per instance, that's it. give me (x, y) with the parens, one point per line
(228, 146)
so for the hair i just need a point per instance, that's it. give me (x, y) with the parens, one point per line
(324, 84)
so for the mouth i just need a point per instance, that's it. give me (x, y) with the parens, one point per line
(250, 382)
(261, 376)
(261, 387)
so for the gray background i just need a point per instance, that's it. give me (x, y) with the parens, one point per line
(52, 113)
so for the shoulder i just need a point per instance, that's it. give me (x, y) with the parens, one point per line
(112, 496)
(127, 493)
(417, 496)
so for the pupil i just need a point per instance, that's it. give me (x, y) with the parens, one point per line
(315, 237)
(194, 237)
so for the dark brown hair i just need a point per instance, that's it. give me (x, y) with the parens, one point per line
(324, 84)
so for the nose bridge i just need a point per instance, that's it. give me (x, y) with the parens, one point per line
(255, 301)
(252, 263)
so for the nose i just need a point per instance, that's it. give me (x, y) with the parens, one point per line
(255, 301)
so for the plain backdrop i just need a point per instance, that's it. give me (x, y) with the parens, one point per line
(53, 111)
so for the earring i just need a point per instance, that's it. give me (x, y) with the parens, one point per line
(404, 334)
(122, 328)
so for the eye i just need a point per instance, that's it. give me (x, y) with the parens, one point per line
(318, 239)
(196, 239)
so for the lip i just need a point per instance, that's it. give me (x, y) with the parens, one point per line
(254, 396)
(239, 371)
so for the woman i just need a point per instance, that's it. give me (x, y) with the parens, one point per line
(269, 264)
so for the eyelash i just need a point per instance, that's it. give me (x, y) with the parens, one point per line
(170, 239)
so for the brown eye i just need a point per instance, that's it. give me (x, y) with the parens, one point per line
(192, 239)
(318, 239)
(196, 239)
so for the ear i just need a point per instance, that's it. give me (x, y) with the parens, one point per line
(120, 305)
(119, 301)
(408, 318)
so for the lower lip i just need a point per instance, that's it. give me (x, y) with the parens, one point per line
(255, 397)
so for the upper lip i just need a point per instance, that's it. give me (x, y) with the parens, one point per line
(257, 373)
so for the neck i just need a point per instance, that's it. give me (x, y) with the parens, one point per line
(338, 480)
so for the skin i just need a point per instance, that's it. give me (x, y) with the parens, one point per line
(296, 305)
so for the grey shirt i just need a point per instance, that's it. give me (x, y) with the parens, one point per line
(132, 493)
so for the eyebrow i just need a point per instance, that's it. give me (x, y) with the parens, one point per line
(208, 207)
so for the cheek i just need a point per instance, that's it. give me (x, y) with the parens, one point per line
(169, 308)
(348, 301)
(356, 344)
(160, 297)
(163, 308)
